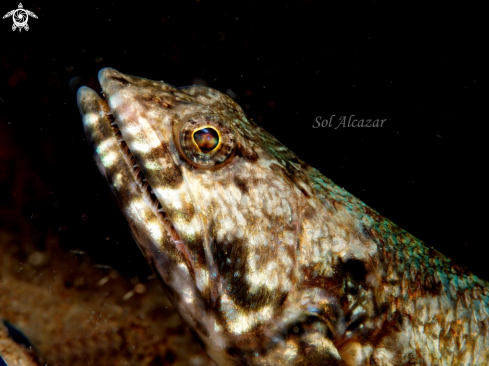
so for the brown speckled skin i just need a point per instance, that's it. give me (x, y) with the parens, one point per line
(267, 260)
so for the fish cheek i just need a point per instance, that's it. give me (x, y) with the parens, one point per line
(230, 257)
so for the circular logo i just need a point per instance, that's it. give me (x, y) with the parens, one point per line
(20, 17)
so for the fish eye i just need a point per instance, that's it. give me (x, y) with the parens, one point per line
(206, 139)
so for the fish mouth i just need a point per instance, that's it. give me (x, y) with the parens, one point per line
(147, 192)
(116, 161)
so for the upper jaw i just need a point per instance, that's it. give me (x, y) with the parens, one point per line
(135, 161)
(143, 111)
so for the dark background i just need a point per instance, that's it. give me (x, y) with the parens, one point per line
(418, 65)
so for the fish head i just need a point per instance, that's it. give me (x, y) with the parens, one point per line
(210, 199)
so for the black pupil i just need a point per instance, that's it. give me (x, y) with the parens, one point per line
(206, 139)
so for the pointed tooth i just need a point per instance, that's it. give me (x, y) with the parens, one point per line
(135, 166)
(160, 210)
(113, 123)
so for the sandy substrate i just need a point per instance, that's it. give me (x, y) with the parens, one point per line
(75, 313)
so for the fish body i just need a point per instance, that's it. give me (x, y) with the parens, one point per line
(267, 260)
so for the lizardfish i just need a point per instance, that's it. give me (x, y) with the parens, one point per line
(267, 260)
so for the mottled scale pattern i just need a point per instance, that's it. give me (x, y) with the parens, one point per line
(267, 260)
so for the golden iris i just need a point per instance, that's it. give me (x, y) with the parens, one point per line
(206, 139)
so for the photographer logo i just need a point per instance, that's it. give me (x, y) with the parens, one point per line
(20, 17)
